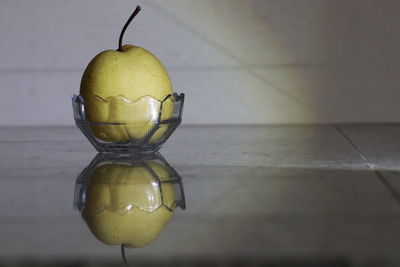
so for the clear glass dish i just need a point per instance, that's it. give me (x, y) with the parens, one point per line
(117, 124)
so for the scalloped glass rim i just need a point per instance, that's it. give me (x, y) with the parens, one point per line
(131, 144)
(129, 101)
(83, 180)
(79, 114)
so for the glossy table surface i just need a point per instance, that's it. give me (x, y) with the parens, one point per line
(255, 196)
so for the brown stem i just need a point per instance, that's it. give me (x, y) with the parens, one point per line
(135, 12)
(123, 255)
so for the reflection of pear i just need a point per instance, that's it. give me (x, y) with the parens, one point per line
(127, 205)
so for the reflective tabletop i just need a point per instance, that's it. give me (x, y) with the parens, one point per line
(212, 196)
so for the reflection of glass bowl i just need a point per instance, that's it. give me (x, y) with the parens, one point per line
(127, 199)
(118, 124)
(147, 165)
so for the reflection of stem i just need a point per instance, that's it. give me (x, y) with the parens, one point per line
(123, 255)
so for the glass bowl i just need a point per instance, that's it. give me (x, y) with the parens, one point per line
(117, 124)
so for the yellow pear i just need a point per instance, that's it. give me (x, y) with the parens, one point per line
(124, 204)
(126, 86)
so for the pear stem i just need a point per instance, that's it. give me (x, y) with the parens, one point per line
(123, 255)
(137, 9)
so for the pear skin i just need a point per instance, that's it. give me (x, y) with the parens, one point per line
(115, 85)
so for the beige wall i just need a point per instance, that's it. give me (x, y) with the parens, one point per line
(239, 62)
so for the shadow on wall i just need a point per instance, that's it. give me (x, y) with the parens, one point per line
(313, 61)
(343, 56)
